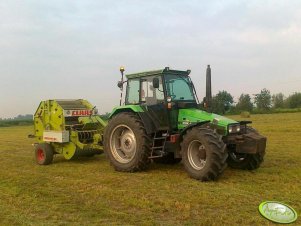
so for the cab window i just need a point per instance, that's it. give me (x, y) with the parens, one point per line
(132, 94)
(149, 95)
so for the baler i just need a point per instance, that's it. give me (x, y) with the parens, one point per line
(68, 127)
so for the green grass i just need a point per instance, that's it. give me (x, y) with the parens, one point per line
(89, 192)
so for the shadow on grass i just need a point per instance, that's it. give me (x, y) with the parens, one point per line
(59, 159)
(160, 170)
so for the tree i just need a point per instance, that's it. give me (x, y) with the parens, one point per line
(221, 102)
(263, 100)
(278, 100)
(244, 103)
(294, 100)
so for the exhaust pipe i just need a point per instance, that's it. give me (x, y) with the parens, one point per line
(208, 88)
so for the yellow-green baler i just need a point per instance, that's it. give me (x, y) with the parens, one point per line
(68, 127)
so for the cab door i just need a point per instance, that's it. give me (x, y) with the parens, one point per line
(154, 100)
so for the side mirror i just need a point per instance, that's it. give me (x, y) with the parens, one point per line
(119, 84)
(156, 83)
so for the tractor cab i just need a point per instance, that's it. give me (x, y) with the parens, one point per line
(161, 86)
(161, 93)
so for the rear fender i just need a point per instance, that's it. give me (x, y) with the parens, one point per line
(126, 108)
(136, 109)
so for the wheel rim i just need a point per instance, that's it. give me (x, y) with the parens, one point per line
(123, 144)
(197, 155)
(40, 155)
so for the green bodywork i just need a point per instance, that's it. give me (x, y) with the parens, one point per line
(156, 72)
(189, 116)
(186, 117)
(147, 73)
(180, 118)
(50, 117)
(125, 108)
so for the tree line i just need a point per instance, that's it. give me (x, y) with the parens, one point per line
(222, 103)
(19, 120)
(263, 102)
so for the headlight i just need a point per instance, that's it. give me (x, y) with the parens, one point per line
(234, 128)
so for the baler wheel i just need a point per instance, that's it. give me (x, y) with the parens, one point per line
(44, 154)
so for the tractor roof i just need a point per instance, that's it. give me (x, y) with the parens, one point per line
(157, 72)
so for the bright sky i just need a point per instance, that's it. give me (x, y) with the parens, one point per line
(73, 49)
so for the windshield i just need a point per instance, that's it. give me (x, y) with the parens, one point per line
(179, 87)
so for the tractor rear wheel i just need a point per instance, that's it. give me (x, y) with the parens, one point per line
(126, 143)
(168, 159)
(244, 161)
(44, 154)
(203, 153)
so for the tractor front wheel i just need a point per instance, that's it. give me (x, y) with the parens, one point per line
(126, 143)
(44, 154)
(203, 153)
(245, 161)
(242, 160)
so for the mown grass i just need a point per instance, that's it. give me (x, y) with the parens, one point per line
(89, 192)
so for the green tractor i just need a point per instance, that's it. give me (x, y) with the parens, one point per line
(162, 120)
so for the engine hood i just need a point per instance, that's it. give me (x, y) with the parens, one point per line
(188, 116)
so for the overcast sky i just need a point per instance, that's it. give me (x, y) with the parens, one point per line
(73, 49)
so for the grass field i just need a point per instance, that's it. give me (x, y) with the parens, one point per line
(89, 192)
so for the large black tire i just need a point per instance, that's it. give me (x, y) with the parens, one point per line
(126, 143)
(204, 153)
(44, 154)
(168, 159)
(244, 161)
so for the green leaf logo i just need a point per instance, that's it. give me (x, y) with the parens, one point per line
(278, 212)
